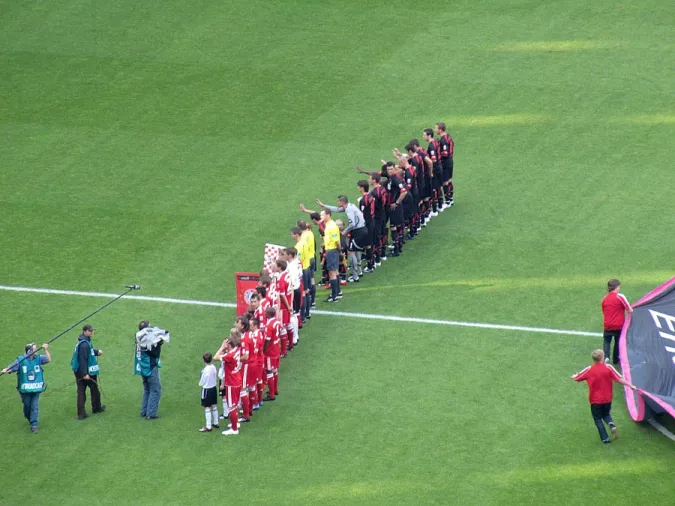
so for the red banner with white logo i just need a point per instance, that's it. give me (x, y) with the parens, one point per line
(246, 284)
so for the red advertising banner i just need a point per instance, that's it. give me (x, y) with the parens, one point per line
(246, 283)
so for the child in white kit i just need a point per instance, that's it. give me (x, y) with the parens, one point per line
(208, 382)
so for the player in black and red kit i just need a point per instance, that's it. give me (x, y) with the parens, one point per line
(380, 202)
(397, 193)
(447, 146)
(410, 204)
(428, 176)
(417, 163)
(366, 206)
(434, 151)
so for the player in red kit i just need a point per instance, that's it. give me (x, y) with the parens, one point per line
(284, 301)
(247, 358)
(255, 383)
(230, 355)
(263, 303)
(272, 351)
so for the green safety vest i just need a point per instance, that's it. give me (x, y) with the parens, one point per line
(31, 379)
(92, 363)
(142, 362)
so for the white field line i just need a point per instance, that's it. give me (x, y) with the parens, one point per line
(366, 316)
(661, 429)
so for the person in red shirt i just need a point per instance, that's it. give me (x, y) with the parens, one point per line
(255, 385)
(247, 357)
(230, 354)
(260, 302)
(600, 378)
(614, 307)
(272, 350)
(284, 301)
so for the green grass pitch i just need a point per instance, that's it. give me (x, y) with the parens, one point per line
(164, 143)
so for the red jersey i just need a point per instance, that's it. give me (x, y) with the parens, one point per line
(260, 315)
(284, 287)
(614, 306)
(247, 345)
(232, 361)
(273, 337)
(600, 378)
(258, 342)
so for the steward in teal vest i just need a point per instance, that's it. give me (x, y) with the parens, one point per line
(91, 353)
(30, 380)
(30, 377)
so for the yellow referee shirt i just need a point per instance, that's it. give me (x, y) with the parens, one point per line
(308, 237)
(331, 236)
(303, 254)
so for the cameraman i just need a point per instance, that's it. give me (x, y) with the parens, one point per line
(147, 363)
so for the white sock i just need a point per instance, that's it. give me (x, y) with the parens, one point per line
(294, 326)
(214, 414)
(207, 412)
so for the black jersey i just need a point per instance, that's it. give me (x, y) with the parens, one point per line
(395, 186)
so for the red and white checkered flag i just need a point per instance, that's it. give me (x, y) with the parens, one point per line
(272, 254)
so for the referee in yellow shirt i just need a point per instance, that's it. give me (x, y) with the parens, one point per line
(310, 241)
(303, 256)
(331, 244)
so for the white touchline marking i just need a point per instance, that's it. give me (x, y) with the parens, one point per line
(661, 429)
(366, 316)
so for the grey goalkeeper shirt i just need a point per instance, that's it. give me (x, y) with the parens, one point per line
(354, 215)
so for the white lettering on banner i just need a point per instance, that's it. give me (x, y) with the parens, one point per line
(670, 320)
(667, 336)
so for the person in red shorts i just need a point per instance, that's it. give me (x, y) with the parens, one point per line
(600, 378)
(272, 351)
(247, 357)
(230, 354)
(614, 307)
(255, 383)
(284, 302)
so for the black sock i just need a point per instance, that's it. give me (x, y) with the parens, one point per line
(334, 287)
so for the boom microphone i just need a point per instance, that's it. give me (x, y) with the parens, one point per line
(133, 287)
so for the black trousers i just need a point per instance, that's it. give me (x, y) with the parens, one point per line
(607, 336)
(82, 385)
(601, 413)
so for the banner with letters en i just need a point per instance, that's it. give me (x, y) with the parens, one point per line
(647, 348)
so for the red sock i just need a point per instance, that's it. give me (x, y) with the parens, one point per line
(234, 419)
(253, 396)
(276, 383)
(270, 387)
(284, 345)
(246, 406)
(261, 392)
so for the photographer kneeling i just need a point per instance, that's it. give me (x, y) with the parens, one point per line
(147, 363)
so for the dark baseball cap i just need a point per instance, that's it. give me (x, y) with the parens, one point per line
(88, 327)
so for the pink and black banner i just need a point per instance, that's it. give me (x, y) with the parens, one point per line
(647, 347)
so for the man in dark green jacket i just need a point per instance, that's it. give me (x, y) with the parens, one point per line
(85, 367)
